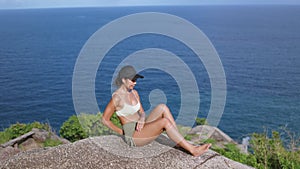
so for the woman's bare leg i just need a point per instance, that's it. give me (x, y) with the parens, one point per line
(161, 111)
(153, 129)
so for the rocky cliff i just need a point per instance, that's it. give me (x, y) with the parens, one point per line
(112, 152)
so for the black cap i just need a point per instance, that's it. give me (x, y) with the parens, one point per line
(136, 77)
(127, 72)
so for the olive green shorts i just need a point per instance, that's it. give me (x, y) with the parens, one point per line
(129, 129)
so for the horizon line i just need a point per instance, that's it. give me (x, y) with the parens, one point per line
(111, 6)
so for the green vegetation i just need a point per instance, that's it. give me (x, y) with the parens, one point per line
(85, 125)
(270, 152)
(51, 143)
(210, 140)
(189, 137)
(19, 129)
(201, 121)
(232, 152)
(72, 130)
(265, 152)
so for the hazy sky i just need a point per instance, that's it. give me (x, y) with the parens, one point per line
(7, 4)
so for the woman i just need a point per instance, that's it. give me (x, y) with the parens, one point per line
(137, 129)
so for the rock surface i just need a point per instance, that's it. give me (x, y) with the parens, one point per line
(29, 144)
(8, 152)
(112, 152)
(41, 135)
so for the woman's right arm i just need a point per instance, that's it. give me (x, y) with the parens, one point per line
(108, 112)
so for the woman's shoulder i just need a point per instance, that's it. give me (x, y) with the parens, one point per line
(116, 95)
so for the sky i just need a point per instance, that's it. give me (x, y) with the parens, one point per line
(15, 4)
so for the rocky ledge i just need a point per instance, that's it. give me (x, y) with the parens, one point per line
(112, 152)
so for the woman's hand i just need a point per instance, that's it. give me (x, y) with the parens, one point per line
(140, 124)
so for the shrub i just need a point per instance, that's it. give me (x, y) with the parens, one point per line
(4, 137)
(92, 124)
(85, 125)
(201, 121)
(115, 120)
(72, 130)
(266, 152)
(271, 153)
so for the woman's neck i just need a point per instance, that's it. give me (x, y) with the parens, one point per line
(124, 89)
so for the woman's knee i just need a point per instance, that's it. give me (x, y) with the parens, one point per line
(166, 123)
(163, 107)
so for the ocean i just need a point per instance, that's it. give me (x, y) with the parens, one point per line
(258, 46)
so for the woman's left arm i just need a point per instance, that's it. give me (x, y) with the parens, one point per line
(142, 114)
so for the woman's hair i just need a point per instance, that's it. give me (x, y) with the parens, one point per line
(126, 72)
(118, 81)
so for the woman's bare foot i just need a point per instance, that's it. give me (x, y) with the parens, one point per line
(199, 150)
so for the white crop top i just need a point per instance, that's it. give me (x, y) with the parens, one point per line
(128, 109)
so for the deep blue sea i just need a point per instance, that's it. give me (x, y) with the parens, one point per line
(259, 47)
